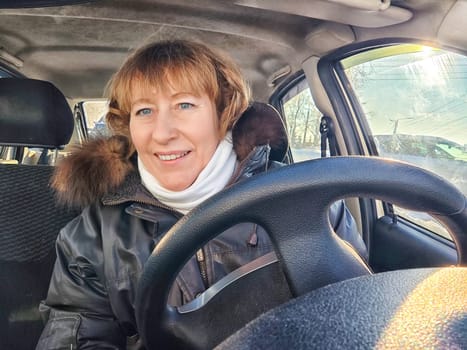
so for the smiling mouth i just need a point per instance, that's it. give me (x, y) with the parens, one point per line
(172, 156)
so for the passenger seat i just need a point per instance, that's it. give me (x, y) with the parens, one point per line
(33, 114)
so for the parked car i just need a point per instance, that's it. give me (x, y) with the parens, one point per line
(390, 80)
(444, 157)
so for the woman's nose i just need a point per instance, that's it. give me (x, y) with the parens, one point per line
(164, 128)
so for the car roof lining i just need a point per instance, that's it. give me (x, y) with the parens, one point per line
(130, 29)
(94, 38)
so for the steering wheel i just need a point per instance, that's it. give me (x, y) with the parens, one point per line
(292, 204)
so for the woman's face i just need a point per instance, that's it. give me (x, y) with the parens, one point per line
(175, 133)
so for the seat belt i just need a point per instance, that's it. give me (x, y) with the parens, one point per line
(326, 129)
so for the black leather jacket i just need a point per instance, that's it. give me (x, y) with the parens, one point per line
(101, 253)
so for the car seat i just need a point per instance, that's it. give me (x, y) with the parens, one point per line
(35, 114)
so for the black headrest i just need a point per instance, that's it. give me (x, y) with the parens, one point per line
(261, 124)
(33, 113)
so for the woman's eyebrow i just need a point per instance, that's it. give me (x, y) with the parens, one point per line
(183, 94)
(140, 100)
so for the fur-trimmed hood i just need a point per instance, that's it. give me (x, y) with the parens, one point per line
(101, 166)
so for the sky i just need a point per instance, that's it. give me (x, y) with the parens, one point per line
(424, 93)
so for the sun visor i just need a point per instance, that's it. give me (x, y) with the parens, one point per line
(360, 13)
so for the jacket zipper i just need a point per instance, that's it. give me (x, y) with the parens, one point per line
(202, 267)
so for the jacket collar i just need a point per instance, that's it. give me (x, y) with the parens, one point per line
(132, 189)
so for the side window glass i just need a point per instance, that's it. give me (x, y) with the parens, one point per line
(90, 119)
(94, 112)
(302, 119)
(414, 98)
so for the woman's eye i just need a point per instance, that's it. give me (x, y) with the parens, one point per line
(185, 105)
(143, 111)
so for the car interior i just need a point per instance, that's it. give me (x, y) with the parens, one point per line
(372, 95)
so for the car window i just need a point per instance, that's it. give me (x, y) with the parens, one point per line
(94, 112)
(414, 99)
(302, 119)
(90, 119)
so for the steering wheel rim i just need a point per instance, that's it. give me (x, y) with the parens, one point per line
(311, 257)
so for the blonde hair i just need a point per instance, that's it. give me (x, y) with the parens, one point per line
(184, 64)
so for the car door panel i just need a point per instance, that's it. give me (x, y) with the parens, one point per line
(400, 245)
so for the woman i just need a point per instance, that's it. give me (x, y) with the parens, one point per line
(174, 108)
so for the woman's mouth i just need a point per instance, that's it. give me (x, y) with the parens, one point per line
(173, 156)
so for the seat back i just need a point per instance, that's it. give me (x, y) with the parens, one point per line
(32, 113)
